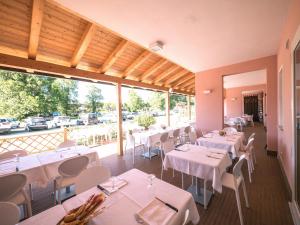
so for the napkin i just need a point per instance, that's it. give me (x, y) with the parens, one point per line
(119, 183)
(156, 213)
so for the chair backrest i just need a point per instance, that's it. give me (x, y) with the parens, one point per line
(249, 144)
(237, 169)
(187, 129)
(251, 136)
(9, 213)
(66, 144)
(193, 137)
(168, 146)
(73, 167)
(230, 130)
(186, 217)
(10, 185)
(91, 177)
(176, 133)
(11, 154)
(164, 137)
(199, 133)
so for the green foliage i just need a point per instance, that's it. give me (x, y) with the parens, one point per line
(109, 106)
(135, 103)
(94, 98)
(23, 95)
(157, 101)
(145, 120)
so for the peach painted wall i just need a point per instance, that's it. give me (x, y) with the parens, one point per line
(209, 108)
(284, 59)
(235, 108)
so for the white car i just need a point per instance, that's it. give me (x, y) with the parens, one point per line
(5, 126)
(62, 121)
(14, 123)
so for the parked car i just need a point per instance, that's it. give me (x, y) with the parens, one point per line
(130, 116)
(108, 118)
(89, 118)
(5, 126)
(62, 121)
(14, 123)
(36, 123)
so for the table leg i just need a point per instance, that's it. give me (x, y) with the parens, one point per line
(197, 193)
(204, 193)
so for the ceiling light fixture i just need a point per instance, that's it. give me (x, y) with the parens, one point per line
(156, 46)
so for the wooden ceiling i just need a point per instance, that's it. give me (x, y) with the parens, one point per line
(42, 31)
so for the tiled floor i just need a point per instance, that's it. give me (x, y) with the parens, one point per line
(267, 194)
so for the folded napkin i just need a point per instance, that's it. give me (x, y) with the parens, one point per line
(183, 148)
(155, 213)
(119, 183)
(208, 135)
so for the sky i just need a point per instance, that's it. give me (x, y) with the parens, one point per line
(108, 92)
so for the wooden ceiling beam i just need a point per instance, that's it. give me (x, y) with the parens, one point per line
(83, 44)
(164, 74)
(8, 62)
(35, 28)
(114, 56)
(183, 80)
(136, 63)
(177, 76)
(153, 69)
(187, 84)
(190, 86)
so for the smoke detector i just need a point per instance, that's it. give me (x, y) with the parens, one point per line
(156, 46)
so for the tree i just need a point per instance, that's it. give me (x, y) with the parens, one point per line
(135, 103)
(94, 99)
(175, 99)
(157, 101)
(23, 95)
(109, 106)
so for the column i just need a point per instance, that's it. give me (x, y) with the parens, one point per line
(119, 119)
(167, 107)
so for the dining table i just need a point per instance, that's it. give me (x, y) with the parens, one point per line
(41, 168)
(200, 162)
(158, 201)
(229, 142)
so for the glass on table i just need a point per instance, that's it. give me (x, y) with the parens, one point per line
(114, 186)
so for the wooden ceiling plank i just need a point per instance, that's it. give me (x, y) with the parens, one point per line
(153, 69)
(136, 63)
(35, 28)
(164, 74)
(114, 56)
(8, 61)
(176, 77)
(181, 81)
(187, 84)
(83, 44)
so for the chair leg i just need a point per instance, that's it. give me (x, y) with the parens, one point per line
(173, 173)
(249, 170)
(204, 193)
(59, 195)
(245, 194)
(133, 155)
(30, 192)
(182, 184)
(254, 156)
(239, 206)
(161, 174)
(54, 195)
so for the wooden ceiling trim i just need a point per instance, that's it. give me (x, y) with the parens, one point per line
(153, 69)
(114, 56)
(49, 68)
(166, 73)
(35, 28)
(83, 44)
(136, 63)
(177, 76)
(183, 80)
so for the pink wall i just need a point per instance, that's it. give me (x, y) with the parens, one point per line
(209, 108)
(235, 108)
(284, 60)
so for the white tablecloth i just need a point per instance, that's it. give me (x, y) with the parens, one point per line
(200, 162)
(122, 205)
(150, 138)
(230, 143)
(41, 168)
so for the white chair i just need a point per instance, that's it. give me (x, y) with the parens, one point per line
(185, 137)
(249, 157)
(186, 216)
(9, 213)
(166, 147)
(233, 181)
(130, 144)
(91, 177)
(230, 130)
(12, 154)
(193, 137)
(12, 190)
(68, 171)
(251, 120)
(67, 144)
(252, 136)
(176, 136)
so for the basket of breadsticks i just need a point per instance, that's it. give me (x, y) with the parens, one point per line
(82, 214)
